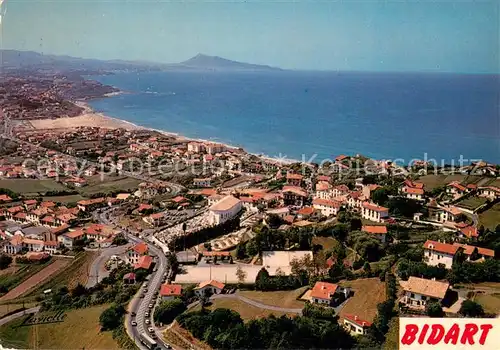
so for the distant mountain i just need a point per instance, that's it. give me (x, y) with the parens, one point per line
(201, 61)
(13, 59)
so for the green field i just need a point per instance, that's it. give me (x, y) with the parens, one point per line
(109, 183)
(79, 330)
(433, 181)
(24, 186)
(471, 202)
(491, 217)
(489, 302)
(20, 274)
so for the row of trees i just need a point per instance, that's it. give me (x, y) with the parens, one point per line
(224, 329)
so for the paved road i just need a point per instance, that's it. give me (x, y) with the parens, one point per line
(140, 305)
(97, 271)
(9, 318)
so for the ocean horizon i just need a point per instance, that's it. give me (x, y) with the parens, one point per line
(318, 115)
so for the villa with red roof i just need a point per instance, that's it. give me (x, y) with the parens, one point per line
(4, 198)
(355, 325)
(328, 294)
(293, 195)
(144, 262)
(373, 212)
(436, 253)
(294, 179)
(379, 232)
(413, 193)
(419, 291)
(456, 188)
(209, 287)
(170, 291)
(481, 253)
(490, 192)
(135, 252)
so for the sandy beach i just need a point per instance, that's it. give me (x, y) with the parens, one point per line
(87, 119)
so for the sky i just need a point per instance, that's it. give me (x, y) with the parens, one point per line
(444, 36)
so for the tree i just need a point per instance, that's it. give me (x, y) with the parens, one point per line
(168, 310)
(240, 251)
(251, 248)
(111, 317)
(240, 274)
(78, 291)
(380, 196)
(367, 267)
(5, 261)
(273, 221)
(434, 310)
(470, 308)
(356, 224)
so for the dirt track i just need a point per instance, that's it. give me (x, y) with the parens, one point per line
(36, 279)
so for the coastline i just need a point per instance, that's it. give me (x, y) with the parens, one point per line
(91, 118)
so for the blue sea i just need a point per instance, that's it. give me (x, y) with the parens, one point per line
(319, 115)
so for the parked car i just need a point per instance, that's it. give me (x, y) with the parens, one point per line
(133, 314)
(133, 323)
(150, 306)
(147, 321)
(141, 296)
(146, 314)
(151, 330)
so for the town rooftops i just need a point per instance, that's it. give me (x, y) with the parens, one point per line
(211, 283)
(412, 184)
(225, 203)
(326, 203)
(453, 210)
(325, 178)
(306, 211)
(5, 198)
(295, 190)
(323, 290)
(469, 249)
(430, 288)
(441, 247)
(356, 320)
(469, 231)
(173, 290)
(75, 234)
(322, 186)
(375, 229)
(374, 207)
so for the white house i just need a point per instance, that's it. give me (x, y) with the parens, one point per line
(323, 190)
(209, 287)
(413, 193)
(439, 253)
(170, 291)
(419, 291)
(225, 209)
(325, 293)
(356, 325)
(374, 212)
(33, 245)
(326, 207)
(14, 246)
(490, 192)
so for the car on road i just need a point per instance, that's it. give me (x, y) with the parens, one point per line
(150, 306)
(146, 314)
(133, 323)
(141, 296)
(151, 330)
(144, 290)
(133, 314)
(147, 321)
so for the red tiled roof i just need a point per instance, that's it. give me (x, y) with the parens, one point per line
(75, 234)
(469, 249)
(30, 201)
(171, 290)
(129, 276)
(144, 262)
(295, 190)
(326, 203)
(306, 211)
(5, 198)
(412, 190)
(374, 207)
(356, 320)
(212, 283)
(179, 199)
(140, 248)
(325, 178)
(412, 184)
(322, 186)
(457, 186)
(375, 229)
(441, 247)
(469, 231)
(144, 206)
(341, 158)
(323, 290)
(14, 210)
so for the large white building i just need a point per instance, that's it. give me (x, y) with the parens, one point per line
(326, 207)
(374, 212)
(225, 209)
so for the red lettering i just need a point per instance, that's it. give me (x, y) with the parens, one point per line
(421, 338)
(437, 333)
(469, 332)
(484, 334)
(411, 331)
(452, 334)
